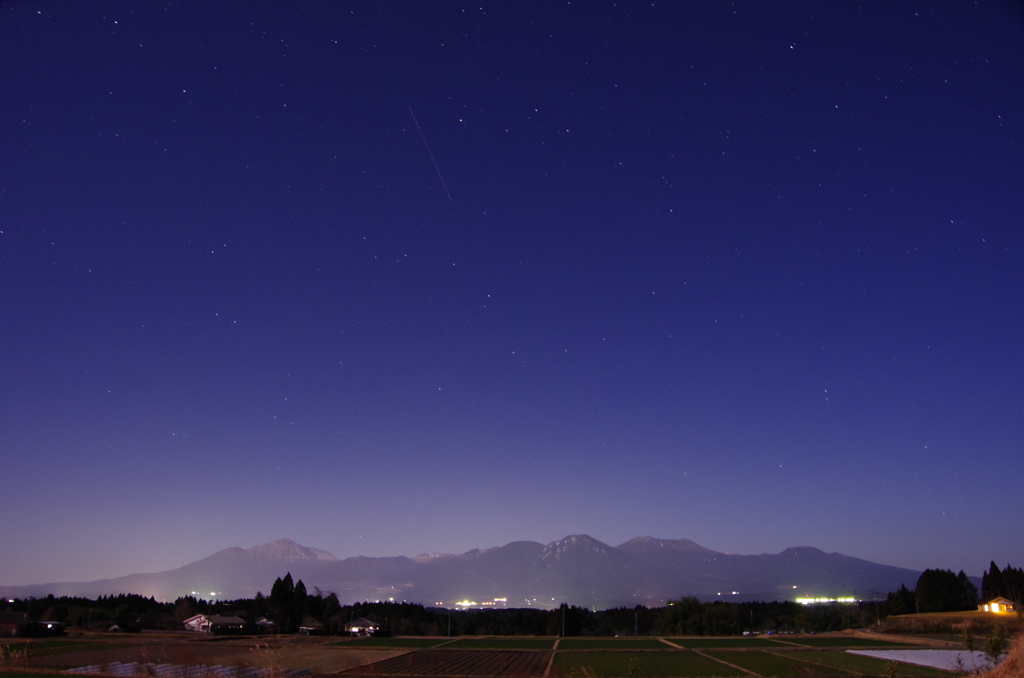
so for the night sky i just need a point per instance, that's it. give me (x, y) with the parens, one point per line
(399, 277)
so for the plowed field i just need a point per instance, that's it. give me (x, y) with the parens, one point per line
(462, 663)
(194, 650)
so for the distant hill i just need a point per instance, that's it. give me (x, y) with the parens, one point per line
(578, 569)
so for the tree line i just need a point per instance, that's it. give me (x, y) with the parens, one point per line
(943, 591)
(291, 606)
(1008, 583)
(128, 611)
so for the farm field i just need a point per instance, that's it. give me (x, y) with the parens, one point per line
(947, 638)
(847, 641)
(700, 643)
(950, 624)
(483, 663)
(190, 650)
(795, 662)
(682, 663)
(612, 644)
(391, 642)
(854, 662)
(765, 663)
(503, 643)
(479, 657)
(44, 648)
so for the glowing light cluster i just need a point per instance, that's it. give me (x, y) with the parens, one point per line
(817, 601)
(487, 603)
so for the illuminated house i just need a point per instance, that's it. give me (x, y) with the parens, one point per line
(997, 605)
(362, 627)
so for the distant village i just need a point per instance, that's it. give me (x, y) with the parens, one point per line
(291, 609)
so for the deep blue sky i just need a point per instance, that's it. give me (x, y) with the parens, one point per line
(746, 273)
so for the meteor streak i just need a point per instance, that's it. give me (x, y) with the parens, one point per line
(429, 153)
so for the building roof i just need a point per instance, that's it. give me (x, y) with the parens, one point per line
(362, 623)
(218, 620)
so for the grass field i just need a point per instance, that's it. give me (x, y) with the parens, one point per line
(796, 662)
(612, 644)
(442, 663)
(950, 638)
(390, 642)
(850, 641)
(868, 666)
(679, 663)
(502, 643)
(765, 663)
(701, 643)
(45, 648)
(951, 623)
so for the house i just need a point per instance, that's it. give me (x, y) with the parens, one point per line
(214, 623)
(199, 623)
(362, 627)
(997, 605)
(311, 627)
(11, 622)
(226, 624)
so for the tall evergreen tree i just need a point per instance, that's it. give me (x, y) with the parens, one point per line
(902, 601)
(1008, 583)
(992, 582)
(967, 592)
(259, 606)
(280, 603)
(1013, 584)
(298, 604)
(938, 591)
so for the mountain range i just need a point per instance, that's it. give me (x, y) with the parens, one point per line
(578, 569)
